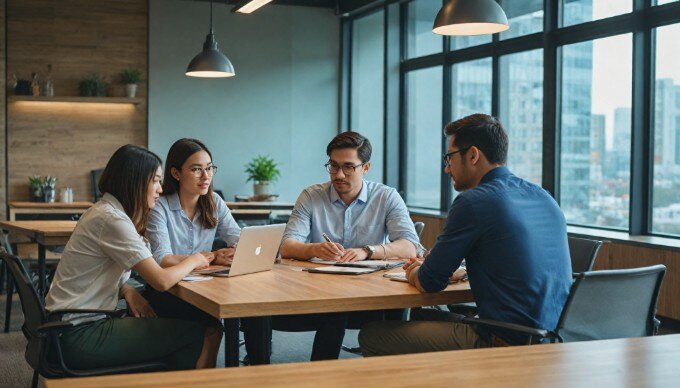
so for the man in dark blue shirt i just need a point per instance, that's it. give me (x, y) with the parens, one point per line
(511, 233)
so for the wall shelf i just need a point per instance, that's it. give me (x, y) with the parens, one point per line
(105, 100)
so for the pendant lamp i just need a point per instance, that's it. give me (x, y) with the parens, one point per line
(210, 63)
(470, 17)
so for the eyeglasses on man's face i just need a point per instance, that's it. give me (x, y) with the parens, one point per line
(347, 169)
(198, 171)
(447, 157)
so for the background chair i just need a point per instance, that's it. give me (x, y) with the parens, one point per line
(582, 252)
(42, 330)
(94, 183)
(601, 305)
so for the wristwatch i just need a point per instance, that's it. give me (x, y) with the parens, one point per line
(370, 249)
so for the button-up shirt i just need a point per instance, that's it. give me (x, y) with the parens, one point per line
(170, 231)
(96, 261)
(513, 237)
(378, 215)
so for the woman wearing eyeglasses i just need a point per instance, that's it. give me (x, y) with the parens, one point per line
(188, 218)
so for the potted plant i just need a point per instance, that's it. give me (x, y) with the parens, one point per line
(35, 185)
(130, 77)
(93, 85)
(262, 170)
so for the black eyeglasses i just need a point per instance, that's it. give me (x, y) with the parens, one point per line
(347, 169)
(198, 171)
(447, 157)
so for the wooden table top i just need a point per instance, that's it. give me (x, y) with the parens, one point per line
(49, 205)
(289, 290)
(43, 232)
(634, 362)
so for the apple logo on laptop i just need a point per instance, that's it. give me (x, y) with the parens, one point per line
(258, 250)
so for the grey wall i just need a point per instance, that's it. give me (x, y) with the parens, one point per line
(282, 102)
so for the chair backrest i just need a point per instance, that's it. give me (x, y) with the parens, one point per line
(611, 304)
(94, 176)
(583, 253)
(34, 312)
(419, 227)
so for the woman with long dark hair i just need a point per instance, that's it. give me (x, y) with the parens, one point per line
(105, 245)
(187, 220)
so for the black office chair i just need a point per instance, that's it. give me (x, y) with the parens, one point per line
(582, 252)
(42, 330)
(94, 183)
(601, 305)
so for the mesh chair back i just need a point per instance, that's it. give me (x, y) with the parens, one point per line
(419, 226)
(34, 313)
(611, 304)
(583, 252)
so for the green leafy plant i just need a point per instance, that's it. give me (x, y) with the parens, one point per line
(262, 169)
(93, 85)
(35, 182)
(130, 76)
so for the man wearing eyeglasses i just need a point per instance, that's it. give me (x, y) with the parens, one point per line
(512, 235)
(360, 220)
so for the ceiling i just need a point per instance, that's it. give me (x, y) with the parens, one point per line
(341, 6)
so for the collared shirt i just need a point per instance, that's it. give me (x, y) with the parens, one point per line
(378, 215)
(513, 236)
(96, 261)
(170, 231)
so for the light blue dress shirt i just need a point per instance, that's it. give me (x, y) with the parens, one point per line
(378, 215)
(170, 231)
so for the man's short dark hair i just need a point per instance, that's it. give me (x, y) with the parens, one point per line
(482, 131)
(351, 140)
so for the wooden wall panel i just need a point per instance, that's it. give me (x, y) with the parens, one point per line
(612, 255)
(77, 37)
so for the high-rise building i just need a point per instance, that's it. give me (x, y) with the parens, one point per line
(597, 146)
(622, 145)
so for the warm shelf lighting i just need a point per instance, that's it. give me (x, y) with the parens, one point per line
(251, 6)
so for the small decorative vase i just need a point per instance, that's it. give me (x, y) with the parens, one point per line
(36, 195)
(130, 90)
(261, 188)
(48, 194)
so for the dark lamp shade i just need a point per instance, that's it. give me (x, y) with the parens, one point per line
(210, 63)
(470, 17)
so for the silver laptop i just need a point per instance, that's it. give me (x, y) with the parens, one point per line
(257, 249)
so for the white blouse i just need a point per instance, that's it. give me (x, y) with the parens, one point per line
(96, 261)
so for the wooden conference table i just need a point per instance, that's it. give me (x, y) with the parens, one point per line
(289, 290)
(634, 362)
(43, 233)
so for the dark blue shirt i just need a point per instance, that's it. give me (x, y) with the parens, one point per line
(513, 236)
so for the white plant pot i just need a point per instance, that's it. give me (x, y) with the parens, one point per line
(130, 90)
(261, 188)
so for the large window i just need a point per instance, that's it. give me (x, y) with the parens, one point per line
(666, 197)
(581, 11)
(590, 104)
(596, 98)
(367, 102)
(521, 111)
(423, 137)
(420, 40)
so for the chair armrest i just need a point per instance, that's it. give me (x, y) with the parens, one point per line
(508, 326)
(59, 313)
(56, 325)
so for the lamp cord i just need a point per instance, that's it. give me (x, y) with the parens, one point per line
(211, 9)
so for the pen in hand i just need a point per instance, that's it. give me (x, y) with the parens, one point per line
(328, 239)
